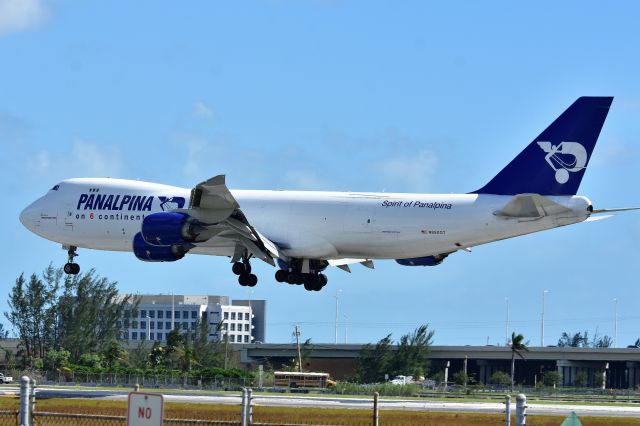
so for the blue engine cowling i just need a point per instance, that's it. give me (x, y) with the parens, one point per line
(423, 261)
(152, 253)
(168, 228)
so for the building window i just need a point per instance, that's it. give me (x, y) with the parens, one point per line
(134, 335)
(193, 325)
(152, 314)
(143, 313)
(143, 324)
(119, 324)
(151, 336)
(194, 314)
(125, 335)
(233, 315)
(226, 315)
(152, 324)
(233, 327)
(246, 327)
(246, 339)
(159, 336)
(185, 314)
(232, 338)
(185, 325)
(134, 324)
(143, 336)
(246, 316)
(168, 314)
(176, 314)
(159, 325)
(160, 314)
(126, 323)
(224, 326)
(167, 325)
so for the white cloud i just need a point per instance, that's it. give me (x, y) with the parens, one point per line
(409, 172)
(21, 15)
(86, 159)
(202, 110)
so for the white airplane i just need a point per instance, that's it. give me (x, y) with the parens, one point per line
(304, 232)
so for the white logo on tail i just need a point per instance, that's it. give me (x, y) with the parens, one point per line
(564, 158)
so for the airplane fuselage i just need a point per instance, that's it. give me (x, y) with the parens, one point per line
(106, 214)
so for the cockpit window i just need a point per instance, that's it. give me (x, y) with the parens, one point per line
(55, 188)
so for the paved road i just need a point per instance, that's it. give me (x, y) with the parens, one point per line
(334, 402)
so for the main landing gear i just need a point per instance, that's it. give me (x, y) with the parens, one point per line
(243, 270)
(70, 267)
(313, 280)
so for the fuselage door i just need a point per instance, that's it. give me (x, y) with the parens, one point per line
(69, 217)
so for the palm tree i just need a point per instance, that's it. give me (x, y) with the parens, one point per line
(517, 347)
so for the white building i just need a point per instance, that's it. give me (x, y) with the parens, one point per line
(158, 314)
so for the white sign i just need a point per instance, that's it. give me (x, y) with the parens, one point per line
(145, 409)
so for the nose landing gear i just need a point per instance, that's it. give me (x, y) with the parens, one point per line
(70, 267)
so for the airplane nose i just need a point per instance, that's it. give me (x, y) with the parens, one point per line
(27, 217)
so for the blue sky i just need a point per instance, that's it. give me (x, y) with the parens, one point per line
(334, 95)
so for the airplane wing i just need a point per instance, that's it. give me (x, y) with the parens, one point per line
(530, 206)
(223, 226)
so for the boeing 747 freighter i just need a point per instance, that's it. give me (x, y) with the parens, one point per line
(304, 232)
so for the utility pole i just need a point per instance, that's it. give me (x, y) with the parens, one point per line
(148, 327)
(173, 311)
(346, 330)
(337, 296)
(297, 333)
(542, 320)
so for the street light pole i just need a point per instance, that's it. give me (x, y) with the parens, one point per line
(506, 325)
(615, 322)
(148, 327)
(542, 320)
(337, 296)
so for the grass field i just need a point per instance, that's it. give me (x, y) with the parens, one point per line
(310, 416)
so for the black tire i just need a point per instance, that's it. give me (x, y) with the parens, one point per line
(75, 268)
(68, 268)
(238, 268)
(242, 279)
(282, 275)
(323, 280)
(252, 280)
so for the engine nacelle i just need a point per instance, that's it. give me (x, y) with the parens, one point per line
(152, 253)
(168, 228)
(423, 261)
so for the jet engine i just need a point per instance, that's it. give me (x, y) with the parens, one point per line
(168, 228)
(423, 261)
(152, 253)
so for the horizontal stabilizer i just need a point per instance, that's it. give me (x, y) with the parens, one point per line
(624, 209)
(530, 206)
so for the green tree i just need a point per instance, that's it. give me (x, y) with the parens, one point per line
(580, 380)
(4, 333)
(412, 355)
(500, 378)
(114, 355)
(577, 340)
(55, 359)
(517, 348)
(374, 363)
(460, 378)
(90, 309)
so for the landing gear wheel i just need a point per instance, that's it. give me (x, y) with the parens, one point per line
(70, 267)
(323, 280)
(238, 268)
(249, 280)
(281, 275)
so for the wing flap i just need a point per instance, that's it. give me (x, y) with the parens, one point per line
(530, 206)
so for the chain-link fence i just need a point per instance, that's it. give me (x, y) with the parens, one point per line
(8, 418)
(165, 381)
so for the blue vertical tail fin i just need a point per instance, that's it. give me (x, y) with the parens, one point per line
(555, 162)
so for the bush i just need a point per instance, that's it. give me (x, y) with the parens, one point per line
(500, 378)
(551, 378)
(580, 381)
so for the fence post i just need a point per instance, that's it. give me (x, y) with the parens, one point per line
(24, 401)
(521, 410)
(243, 412)
(376, 412)
(249, 407)
(507, 410)
(32, 401)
